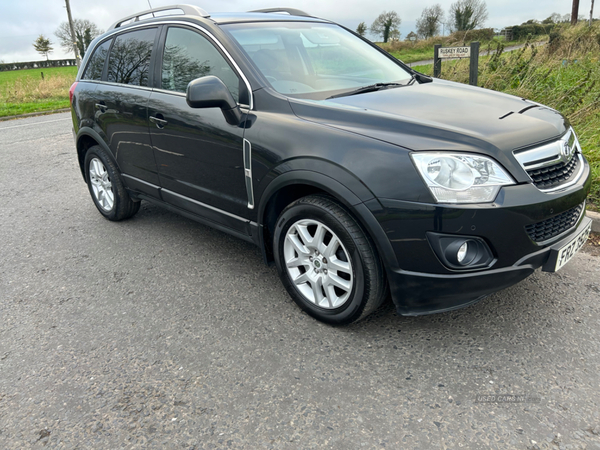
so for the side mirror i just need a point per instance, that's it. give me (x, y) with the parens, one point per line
(211, 92)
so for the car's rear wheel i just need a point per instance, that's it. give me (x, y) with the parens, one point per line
(106, 187)
(326, 262)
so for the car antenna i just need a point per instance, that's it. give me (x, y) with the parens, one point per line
(151, 8)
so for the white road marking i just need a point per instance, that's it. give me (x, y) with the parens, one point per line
(34, 123)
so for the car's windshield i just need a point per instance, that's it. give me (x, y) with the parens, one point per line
(314, 60)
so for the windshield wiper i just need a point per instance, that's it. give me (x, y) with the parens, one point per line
(370, 88)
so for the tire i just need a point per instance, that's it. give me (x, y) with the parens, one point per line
(106, 187)
(327, 263)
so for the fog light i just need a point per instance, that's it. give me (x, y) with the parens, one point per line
(462, 252)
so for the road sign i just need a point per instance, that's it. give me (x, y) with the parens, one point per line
(471, 52)
(454, 52)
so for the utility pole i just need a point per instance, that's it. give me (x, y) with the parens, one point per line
(575, 12)
(73, 34)
(592, 13)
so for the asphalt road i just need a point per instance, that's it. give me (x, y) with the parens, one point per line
(159, 332)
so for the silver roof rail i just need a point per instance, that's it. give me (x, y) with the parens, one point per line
(189, 10)
(290, 11)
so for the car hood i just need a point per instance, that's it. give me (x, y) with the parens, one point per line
(440, 115)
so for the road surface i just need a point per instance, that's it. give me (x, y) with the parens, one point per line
(161, 333)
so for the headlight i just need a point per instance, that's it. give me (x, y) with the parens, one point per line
(461, 177)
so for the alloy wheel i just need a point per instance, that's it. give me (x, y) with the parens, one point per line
(318, 264)
(101, 185)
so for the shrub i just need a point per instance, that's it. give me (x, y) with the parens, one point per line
(520, 32)
(483, 34)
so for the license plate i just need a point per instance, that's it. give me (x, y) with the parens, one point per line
(568, 251)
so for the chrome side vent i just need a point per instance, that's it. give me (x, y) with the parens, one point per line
(248, 172)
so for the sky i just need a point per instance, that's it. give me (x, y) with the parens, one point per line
(22, 21)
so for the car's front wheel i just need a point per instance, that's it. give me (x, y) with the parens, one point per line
(326, 262)
(106, 187)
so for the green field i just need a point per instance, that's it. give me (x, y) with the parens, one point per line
(24, 91)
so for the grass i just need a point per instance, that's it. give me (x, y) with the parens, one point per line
(565, 75)
(410, 56)
(24, 91)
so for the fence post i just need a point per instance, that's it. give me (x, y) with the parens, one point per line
(474, 67)
(437, 62)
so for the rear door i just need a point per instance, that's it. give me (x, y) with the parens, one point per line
(121, 104)
(84, 106)
(199, 155)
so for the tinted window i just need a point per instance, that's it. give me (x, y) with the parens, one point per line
(189, 55)
(95, 66)
(129, 61)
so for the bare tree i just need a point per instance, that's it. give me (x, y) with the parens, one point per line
(592, 13)
(468, 14)
(43, 46)
(385, 24)
(361, 28)
(85, 32)
(428, 25)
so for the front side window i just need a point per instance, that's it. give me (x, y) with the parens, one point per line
(94, 69)
(129, 61)
(189, 55)
(314, 60)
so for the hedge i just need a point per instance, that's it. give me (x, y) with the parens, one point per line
(37, 64)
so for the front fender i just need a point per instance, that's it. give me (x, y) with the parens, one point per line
(359, 203)
(316, 172)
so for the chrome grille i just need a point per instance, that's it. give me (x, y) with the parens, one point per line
(555, 226)
(555, 165)
(553, 176)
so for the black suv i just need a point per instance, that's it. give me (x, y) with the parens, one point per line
(357, 176)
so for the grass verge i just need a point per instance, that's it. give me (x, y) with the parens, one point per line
(25, 91)
(410, 52)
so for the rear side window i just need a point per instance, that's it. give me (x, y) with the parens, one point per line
(189, 55)
(95, 66)
(129, 61)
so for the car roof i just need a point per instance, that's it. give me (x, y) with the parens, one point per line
(193, 12)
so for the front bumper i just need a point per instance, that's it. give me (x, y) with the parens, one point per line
(425, 293)
(421, 284)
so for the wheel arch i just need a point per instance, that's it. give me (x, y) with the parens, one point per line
(295, 184)
(86, 138)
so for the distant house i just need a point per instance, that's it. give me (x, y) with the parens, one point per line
(412, 36)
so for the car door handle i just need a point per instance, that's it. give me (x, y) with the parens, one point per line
(158, 120)
(101, 106)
